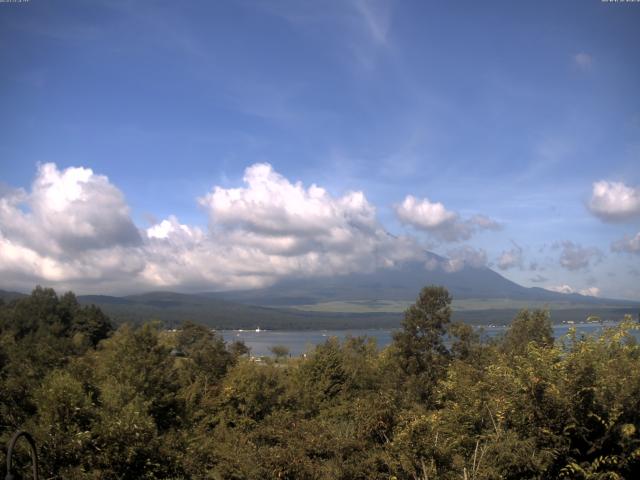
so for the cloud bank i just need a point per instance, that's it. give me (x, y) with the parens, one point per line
(73, 229)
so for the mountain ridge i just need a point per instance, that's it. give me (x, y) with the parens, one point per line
(357, 300)
(402, 284)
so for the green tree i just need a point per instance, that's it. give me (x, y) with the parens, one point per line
(63, 424)
(419, 347)
(280, 351)
(92, 324)
(528, 326)
(322, 376)
(206, 361)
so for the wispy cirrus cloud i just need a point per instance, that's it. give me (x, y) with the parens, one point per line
(376, 17)
(361, 27)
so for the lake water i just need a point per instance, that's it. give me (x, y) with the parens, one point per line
(300, 341)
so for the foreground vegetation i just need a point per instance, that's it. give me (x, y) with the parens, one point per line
(138, 402)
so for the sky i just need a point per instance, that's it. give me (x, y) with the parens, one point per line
(197, 146)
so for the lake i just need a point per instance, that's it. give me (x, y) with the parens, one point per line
(300, 341)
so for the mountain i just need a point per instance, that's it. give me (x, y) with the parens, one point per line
(209, 309)
(7, 296)
(358, 300)
(173, 308)
(402, 284)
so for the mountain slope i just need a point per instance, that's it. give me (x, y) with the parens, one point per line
(401, 284)
(358, 300)
(173, 308)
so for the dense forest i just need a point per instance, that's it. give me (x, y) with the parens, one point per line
(440, 402)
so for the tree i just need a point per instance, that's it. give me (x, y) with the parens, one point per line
(207, 361)
(280, 351)
(420, 350)
(92, 323)
(528, 326)
(322, 375)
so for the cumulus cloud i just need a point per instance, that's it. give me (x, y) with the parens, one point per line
(271, 228)
(465, 256)
(576, 257)
(628, 244)
(69, 210)
(442, 224)
(511, 258)
(73, 229)
(270, 205)
(72, 226)
(614, 201)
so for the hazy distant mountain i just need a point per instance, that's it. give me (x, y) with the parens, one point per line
(7, 296)
(173, 308)
(401, 283)
(358, 300)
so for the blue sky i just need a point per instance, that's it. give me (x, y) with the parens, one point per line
(508, 110)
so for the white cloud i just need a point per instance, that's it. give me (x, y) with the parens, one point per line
(627, 244)
(466, 256)
(23, 267)
(511, 258)
(576, 257)
(73, 226)
(614, 201)
(170, 228)
(561, 289)
(272, 228)
(424, 213)
(73, 230)
(443, 224)
(270, 205)
(589, 291)
(583, 60)
(69, 210)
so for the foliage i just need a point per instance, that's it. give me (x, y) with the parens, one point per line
(419, 347)
(439, 402)
(280, 351)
